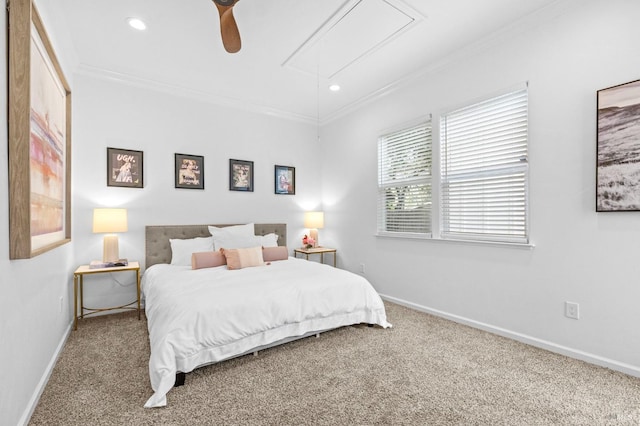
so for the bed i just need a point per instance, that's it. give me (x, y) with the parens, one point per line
(202, 315)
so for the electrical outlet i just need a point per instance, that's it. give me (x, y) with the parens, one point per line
(61, 303)
(572, 310)
(362, 268)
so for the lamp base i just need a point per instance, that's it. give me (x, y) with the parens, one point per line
(313, 233)
(110, 249)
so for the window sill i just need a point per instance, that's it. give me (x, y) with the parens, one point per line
(428, 237)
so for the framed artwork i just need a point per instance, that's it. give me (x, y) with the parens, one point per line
(39, 138)
(618, 142)
(189, 171)
(124, 168)
(285, 180)
(241, 175)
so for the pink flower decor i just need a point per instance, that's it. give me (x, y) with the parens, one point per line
(308, 242)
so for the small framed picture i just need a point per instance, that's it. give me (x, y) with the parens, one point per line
(124, 168)
(189, 171)
(285, 180)
(241, 175)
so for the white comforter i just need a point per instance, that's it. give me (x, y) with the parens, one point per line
(196, 317)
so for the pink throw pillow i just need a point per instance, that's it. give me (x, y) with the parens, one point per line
(270, 254)
(207, 259)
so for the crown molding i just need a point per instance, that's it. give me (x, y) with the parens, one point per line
(190, 93)
(515, 28)
(508, 32)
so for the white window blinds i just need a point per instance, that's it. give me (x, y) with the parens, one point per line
(485, 170)
(404, 181)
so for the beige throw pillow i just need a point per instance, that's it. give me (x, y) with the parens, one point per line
(243, 257)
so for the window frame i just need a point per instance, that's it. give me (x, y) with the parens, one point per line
(523, 167)
(382, 213)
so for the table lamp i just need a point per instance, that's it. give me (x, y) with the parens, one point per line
(110, 221)
(314, 221)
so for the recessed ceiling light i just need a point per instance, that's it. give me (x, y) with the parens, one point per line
(334, 87)
(137, 23)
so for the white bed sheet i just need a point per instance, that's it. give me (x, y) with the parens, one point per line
(197, 317)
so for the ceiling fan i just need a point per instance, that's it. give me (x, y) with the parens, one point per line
(228, 27)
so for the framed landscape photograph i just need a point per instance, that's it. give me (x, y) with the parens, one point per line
(39, 138)
(285, 180)
(618, 148)
(124, 168)
(189, 171)
(241, 175)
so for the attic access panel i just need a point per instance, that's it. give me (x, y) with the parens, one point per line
(357, 29)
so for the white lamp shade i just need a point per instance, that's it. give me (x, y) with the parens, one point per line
(109, 220)
(314, 220)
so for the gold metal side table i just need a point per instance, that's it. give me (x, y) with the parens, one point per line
(78, 284)
(316, 250)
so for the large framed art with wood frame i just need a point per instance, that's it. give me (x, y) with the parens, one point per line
(39, 138)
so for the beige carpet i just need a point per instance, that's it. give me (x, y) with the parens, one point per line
(423, 371)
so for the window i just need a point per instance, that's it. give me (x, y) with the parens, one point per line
(485, 170)
(404, 181)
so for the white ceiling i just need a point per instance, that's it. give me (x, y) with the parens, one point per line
(291, 49)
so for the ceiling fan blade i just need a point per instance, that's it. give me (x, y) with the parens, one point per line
(228, 27)
(230, 32)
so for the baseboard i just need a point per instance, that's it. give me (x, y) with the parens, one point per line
(33, 402)
(533, 341)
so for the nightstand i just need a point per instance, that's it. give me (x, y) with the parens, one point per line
(78, 283)
(316, 250)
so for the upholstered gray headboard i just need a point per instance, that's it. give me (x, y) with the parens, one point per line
(158, 248)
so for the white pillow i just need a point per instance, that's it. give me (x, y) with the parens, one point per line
(235, 230)
(232, 242)
(269, 240)
(236, 242)
(181, 250)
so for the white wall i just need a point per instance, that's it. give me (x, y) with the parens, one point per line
(32, 325)
(580, 256)
(566, 55)
(112, 114)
